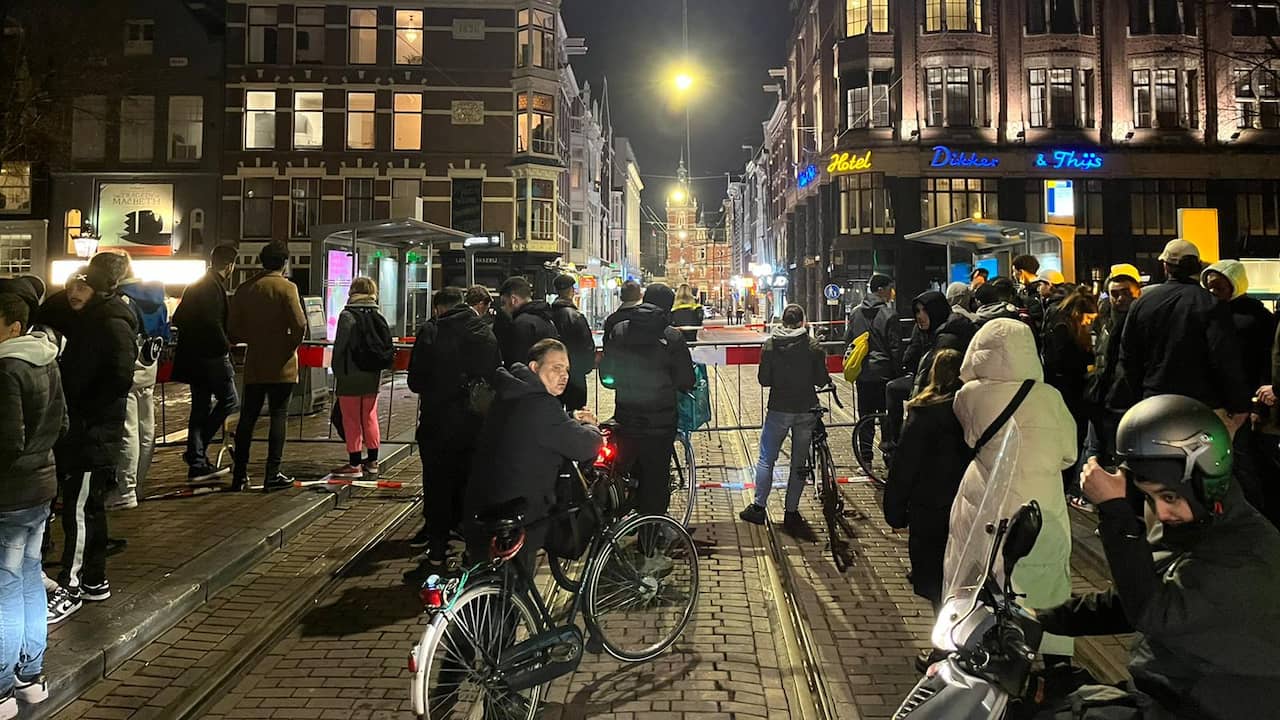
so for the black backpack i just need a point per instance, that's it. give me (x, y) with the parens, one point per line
(372, 348)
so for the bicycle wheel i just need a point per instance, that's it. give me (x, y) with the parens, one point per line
(456, 660)
(681, 478)
(867, 447)
(642, 588)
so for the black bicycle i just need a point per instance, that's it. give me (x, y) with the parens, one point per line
(822, 468)
(869, 447)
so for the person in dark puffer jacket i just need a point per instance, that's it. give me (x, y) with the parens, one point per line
(792, 364)
(33, 415)
(97, 374)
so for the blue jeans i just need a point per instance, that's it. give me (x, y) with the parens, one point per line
(776, 426)
(23, 622)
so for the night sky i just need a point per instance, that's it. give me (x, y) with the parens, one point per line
(636, 44)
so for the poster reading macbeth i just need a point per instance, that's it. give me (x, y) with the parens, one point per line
(137, 217)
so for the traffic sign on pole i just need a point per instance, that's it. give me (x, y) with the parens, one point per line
(831, 292)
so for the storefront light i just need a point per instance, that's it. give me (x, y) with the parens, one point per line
(169, 271)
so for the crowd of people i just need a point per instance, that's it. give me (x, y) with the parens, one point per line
(1153, 404)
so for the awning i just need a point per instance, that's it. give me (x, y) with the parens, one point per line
(400, 231)
(987, 235)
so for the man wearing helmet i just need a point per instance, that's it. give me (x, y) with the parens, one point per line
(1200, 585)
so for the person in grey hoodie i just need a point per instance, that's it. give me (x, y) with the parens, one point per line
(33, 415)
(792, 365)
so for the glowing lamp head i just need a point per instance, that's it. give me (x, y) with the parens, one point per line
(684, 81)
(677, 196)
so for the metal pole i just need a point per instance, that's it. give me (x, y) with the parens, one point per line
(471, 266)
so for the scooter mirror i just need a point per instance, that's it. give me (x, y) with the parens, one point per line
(1024, 529)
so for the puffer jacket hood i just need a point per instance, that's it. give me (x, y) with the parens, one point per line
(1003, 350)
(872, 302)
(148, 295)
(518, 382)
(1234, 272)
(461, 319)
(936, 305)
(37, 349)
(785, 337)
(646, 324)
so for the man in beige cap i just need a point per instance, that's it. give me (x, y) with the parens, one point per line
(1178, 339)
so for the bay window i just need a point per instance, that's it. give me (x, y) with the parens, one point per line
(1060, 97)
(1165, 98)
(865, 206)
(1257, 99)
(536, 123)
(1162, 17)
(953, 16)
(536, 39)
(1060, 17)
(956, 97)
(863, 16)
(1260, 19)
(868, 99)
(536, 211)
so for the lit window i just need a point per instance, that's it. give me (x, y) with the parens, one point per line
(953, 16)
(309, 35)
(186, 127)
(359, 200)
(308, 120)
(536, 37)
(947, 200)
(137, 127)
(360, 121)
(259, 120)
(1165, 98)
(15, 187)
(408, 122)
(262, 35)
(304, 204)
(1257, 99)
(866, 16)
(865, 205)
(868, 105)
(542, 218)
(363, 36)
(89, 128)
(139, 37)
(255, 208)
(536, 125)
(408, 37)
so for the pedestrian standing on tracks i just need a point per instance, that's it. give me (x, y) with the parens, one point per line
(360, 350)
(33, 415)
(575, 333)
(203, 359)
(455, 357)
(646, 362)
(687, 313)
(266, 314)
(877, 318)
(97, 373)
(792, 365)
(630, 297)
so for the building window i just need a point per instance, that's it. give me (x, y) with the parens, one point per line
(536, 125)
(304, 205)
(137, 128)
(404, 193)
(536, 36)
(259, 120)
(309, 35)
(358, 205)
(89, 128)
(868, 100)
(542, 225)
(1060, 17)
(408, 122)
(1255, 18)
(947, 200)
(1087, 196)
(953, 16)
(139, 37)
(15, 187)
(262, 35)
(1165, 98)
(360, 121)
(408, 37)
(467, 210)
(865, 205)
(1037, 83)
(1162, 17)
(308, 120)
(255, 208)
(862, 16)
(1258, 209)
(362, 36)
(1257, 99)
(960, 101)
(1060, 97)
(1153, 204)
(186, 127)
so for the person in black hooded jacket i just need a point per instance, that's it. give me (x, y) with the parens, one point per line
(575, 333)
(876, 317)
(938, 326)
(646, 362)
(525, 441)
(522, 321)
(97, 374)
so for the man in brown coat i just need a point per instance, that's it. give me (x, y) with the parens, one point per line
(266, 314)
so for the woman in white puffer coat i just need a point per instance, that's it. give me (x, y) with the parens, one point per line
(1000, 358)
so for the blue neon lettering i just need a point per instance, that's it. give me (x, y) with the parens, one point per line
(807, 176)
(944, 156)
(1084, 161)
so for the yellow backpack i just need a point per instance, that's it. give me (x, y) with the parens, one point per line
(855, 355)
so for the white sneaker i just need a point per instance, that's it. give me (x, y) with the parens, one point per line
(63, 603)
(127, 500)
(9, 707)
(32, 691)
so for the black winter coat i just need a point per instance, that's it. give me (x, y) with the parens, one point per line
(645, 362)
(1105, 387)
(449, 352)
(616, 317)
(884, 343)
(33, 415)
(575, 333)
(923, 480)
(201, 319)
(1179, 340)
(688, 316)
(97, 374)
(1255, 328)
(526, 439)
(1066, 365)
(947, 329)
(519, 331)
(792, 364)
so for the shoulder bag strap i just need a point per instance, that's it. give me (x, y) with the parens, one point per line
(1004, 416)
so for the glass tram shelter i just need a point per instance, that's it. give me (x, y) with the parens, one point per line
(993, 244)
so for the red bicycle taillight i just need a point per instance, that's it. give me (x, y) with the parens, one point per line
(605, 456)
(413, 661)
(432, 597)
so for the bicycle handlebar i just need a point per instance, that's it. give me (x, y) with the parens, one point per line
(835, 395)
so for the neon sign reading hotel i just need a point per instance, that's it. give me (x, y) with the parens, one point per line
(848, 162)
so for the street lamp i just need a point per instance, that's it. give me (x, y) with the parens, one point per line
(684, 81)
(474, 244)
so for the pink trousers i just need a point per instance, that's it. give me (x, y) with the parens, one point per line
(360, 422)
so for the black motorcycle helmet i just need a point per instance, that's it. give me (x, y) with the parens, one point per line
(1181, 444)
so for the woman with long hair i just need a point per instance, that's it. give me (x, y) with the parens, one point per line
(687, 312)
(926, 472)
(356, 388)
(1068, 353)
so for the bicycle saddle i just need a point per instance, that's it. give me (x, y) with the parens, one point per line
(504, 516)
